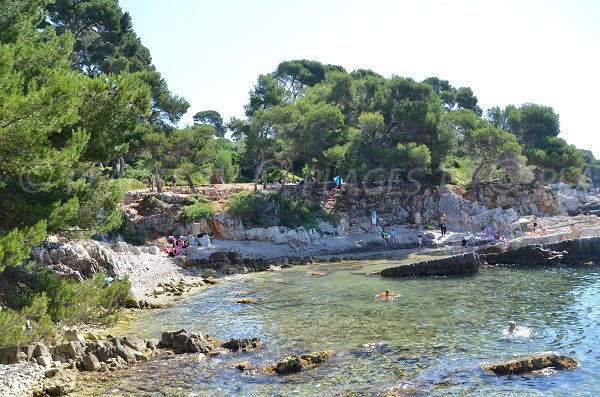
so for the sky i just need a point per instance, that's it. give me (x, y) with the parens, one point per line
(508, 51)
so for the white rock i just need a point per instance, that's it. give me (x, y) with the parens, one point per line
(158, 291)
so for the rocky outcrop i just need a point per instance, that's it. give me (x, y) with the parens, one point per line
(451, 266)
(296, 363)
(82, 259)
(400, 204)
(100, 355)
(232, 262)
(243, 345)
(183, 341)
(86, 355)
(245, 300)
(57, 383)
(532, 363)
(580, 251)
(229, 228)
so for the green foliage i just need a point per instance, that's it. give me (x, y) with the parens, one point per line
(272, 209)
(31, 324)
(88, 302)
(212, 118)
(198, 210)
(556, 161)
(249, 206)
(39, 304)
(223, 163)
(16, 244)
(128, 184)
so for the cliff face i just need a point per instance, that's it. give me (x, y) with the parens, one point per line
(399, 205)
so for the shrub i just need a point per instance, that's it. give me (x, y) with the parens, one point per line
(199, 210)
(271, 209)
(31, 324)
(40, 303)
(127, 184)
(252, 207)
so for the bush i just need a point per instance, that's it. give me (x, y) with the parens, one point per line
(127, 184)
(40, 303)
(273, 209)
(31, 324)
(198, 210)
(252, 207)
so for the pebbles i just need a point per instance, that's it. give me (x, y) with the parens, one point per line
(18, 379)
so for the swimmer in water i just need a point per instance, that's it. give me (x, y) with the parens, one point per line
(511, 327)
(387, 295)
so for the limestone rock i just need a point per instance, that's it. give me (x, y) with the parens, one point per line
(245, 300)
(90, 362)
(289, 365)
(74, 336)
(243, 366)
(244, 345)
(44, 361)
(184, 342)
(532, 363)
(295, 363)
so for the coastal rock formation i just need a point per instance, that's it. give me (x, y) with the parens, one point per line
(57, 379)
(450, 266)
(569, 252)
(183, 341)
(532, 363)
(245, 300)
(243, 345)
(82, 259)
(296, 363)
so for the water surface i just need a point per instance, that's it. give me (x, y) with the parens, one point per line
(432, 341)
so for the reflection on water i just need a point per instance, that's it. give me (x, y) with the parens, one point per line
(431, 341)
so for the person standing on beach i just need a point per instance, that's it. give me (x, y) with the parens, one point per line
(420, 241)
(465, 244)
(443, 224)
(373, 218)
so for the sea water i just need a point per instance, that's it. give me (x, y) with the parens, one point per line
(432, 341)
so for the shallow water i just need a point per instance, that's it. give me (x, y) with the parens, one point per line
(431, 341)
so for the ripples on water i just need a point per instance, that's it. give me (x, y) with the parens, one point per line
(431, 341)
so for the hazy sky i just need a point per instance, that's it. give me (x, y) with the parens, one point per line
(508, 52)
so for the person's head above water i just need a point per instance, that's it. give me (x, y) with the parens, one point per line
(511, 326)
(387, 292)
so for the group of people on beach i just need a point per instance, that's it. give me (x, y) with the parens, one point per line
(177, 245)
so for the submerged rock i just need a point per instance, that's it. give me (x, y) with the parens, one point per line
(532, 363)
(245, 300)
(295, 363)
(288, 365)
(244, 366)
(244, 345)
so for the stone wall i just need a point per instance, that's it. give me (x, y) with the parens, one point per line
(457, 265)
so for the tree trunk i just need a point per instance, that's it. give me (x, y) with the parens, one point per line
(188, 178)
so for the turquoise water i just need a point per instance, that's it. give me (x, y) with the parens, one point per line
(432, 341)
